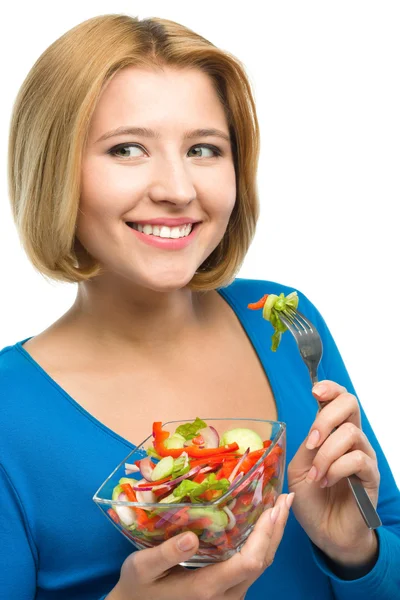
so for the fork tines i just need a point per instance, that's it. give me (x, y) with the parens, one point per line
(298, 321)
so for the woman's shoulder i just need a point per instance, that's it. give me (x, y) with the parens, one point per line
(14, 369)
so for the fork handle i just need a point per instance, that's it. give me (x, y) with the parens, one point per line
(364, 503)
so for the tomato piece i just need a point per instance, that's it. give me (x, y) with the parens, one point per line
(198, 440)
(200, 477)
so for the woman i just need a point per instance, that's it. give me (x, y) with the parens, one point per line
(159, 330)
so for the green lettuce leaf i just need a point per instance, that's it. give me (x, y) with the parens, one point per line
(190, 430)
(194, 490)
(275, 305)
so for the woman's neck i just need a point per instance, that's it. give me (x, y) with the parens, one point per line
(138, 318)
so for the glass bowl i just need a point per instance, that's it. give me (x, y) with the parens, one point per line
(222, 524)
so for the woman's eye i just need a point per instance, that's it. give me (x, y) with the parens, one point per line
(214, 149)
(123, 151)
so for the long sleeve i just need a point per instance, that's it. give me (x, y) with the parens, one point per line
(17, 560)
(383, 581)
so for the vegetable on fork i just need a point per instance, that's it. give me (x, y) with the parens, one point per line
(272, 305)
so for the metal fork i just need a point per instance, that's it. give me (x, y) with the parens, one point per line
(310, 347)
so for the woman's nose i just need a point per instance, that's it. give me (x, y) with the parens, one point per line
(172, 182)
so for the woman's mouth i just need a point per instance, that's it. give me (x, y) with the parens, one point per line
(162, 236)
(163, 231)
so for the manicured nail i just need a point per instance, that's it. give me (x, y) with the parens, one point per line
(324, 482)
(313, 439)
(289, 500)
(275, 513)
(312, 474)
(185, 543)
(319, 389)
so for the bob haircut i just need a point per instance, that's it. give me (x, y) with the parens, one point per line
(49, 130)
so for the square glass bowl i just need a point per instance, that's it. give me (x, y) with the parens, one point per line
(222, 525)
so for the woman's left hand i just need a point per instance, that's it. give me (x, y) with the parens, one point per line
(330, 515)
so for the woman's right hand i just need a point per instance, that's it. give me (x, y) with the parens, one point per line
(156, 573)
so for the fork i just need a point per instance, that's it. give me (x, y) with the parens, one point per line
(310, 346)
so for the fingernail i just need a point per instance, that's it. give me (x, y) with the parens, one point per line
(275, 513)
(324, 482)
(186, 543)
(289, 500)
(319, 389)
(312, 473)
(313, 439)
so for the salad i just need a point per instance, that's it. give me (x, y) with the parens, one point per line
(195, 466)
(272, 305)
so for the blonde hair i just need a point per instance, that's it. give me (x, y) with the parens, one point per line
(49, 130)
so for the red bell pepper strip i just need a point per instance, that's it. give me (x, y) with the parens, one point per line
(160, 436)
(142, 518)
(226, 469)
(259, 303)
(196, 452)
(127, 489)
(113, 515)
(216, 460)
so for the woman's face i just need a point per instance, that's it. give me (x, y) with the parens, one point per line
(173, 177)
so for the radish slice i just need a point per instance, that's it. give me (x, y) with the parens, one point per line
(236, 469)
(210, 437)
(146, 467)
(131, 469)
(125, 513)
(231, 517)
(146, 496)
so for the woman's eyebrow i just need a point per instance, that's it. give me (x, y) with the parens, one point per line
(150, 133)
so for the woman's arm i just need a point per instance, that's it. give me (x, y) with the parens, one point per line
(17, 552)
(381, 578)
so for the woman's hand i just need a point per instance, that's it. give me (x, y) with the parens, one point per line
(325, 506)
(155, 572)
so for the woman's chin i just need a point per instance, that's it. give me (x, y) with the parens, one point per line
(168, 283)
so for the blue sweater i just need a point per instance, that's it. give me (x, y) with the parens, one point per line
(56, 544)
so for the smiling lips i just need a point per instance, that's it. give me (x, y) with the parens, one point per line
(167, 234)
(163, 231)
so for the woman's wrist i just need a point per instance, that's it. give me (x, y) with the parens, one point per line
(355, 564)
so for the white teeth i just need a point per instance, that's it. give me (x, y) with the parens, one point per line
(164, 231)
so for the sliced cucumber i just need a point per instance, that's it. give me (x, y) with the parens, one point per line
(245, 438)
(175, 441)
(219, 518)
(163, 468)
(272, 298)
(171, 499)
(116, 492)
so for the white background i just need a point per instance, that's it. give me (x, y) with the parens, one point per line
(326, 82)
